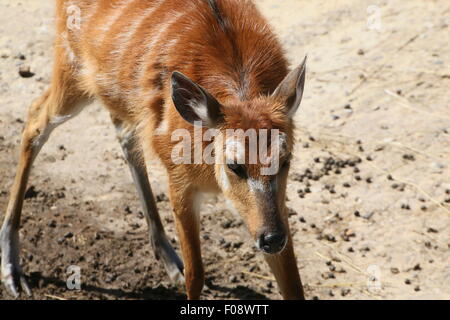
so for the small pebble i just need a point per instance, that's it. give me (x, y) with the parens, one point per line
(52, 224)
(409, 157)
(328, 275)
(406, 207)
(395, 271)
(25, 71)
(68, 235)
(345, 292)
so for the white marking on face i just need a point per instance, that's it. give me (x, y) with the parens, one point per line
(278, 150)
(235, 151)
(256, 185)
(225, 182)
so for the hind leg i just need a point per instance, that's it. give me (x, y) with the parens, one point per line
(158, 238)
(54, 107)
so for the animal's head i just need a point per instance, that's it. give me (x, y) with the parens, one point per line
(252, 150)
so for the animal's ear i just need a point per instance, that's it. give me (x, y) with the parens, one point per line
(290, 90)
(194, 103)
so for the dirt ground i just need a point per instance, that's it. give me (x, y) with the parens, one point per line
(369, 187)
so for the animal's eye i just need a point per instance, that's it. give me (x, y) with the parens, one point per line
(238, 169)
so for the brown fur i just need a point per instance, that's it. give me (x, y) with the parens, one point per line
(124, 54)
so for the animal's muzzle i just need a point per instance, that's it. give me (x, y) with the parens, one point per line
(271, 243)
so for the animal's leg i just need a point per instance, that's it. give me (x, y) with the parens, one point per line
(284, 267)
(46, 113)
(158, 238)
(188, 226)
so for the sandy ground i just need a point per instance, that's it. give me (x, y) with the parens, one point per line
(378, 94)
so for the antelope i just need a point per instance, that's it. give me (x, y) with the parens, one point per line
(162, 65)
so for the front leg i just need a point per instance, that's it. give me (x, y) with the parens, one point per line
(158, 238)
(284, 267)
(188, 226)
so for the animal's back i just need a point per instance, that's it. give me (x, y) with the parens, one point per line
(125, 50)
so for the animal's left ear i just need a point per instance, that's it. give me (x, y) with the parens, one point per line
(194, 103)
(290, 90)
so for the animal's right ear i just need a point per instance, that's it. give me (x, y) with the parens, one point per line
(194, 103)
(290, 90)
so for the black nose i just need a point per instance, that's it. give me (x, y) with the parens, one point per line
(272, 243)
